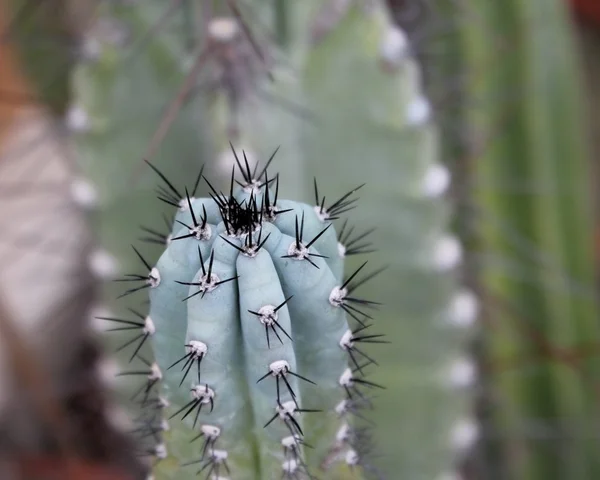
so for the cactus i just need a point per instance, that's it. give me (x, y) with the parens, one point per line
(254, 315)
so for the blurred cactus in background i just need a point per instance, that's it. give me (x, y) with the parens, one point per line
(536, 255)
(482, 89)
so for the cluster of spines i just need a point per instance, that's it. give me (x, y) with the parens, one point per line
(244, 219)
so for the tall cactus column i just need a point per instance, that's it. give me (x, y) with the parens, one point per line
(372, 119)
(536, 260)
(257, 402)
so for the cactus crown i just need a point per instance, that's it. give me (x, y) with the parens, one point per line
(248, 325)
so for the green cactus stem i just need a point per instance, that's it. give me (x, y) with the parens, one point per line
(254, 353)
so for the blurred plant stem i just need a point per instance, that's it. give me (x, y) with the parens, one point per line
(536, 259)
(589, 40)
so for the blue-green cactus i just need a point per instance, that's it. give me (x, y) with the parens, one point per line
(254, 352)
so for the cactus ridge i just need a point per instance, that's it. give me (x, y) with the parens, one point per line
(248, 322)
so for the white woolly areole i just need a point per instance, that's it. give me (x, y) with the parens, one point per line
(352, 457)
(77, 119)
(418, 111)
(197, 348)
(223, 29)
(160, 451)
(270, 213)
(341, 250)
(149, 327)
(164, 425)
(290, 466)
(102, 264)
(154, 278)
(342, 408)
(346, 379)
(90, 48)
(107, 370)
(226, 161)
(343, 433)
(155, 372)
(290, 441)
(436, 181)
(208, 285)
(298, 253)
(219, 455)
(447, 253)
(201, 233)
(394, 47)
(346, 342)
(286, 409)
(279, 367)
(253, 187)
(464, 434)
(337, 296)
(119, 418)
(463, 310)
(267, 315)
(84, 193)
(321, 214)
(250, 249)
(203, 393)
(462, 373)
(96, 315)
(169, 239)
(163, 402)
(183, 204)
(210, 431)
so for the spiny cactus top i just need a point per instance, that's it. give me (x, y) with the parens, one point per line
(248, 318)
